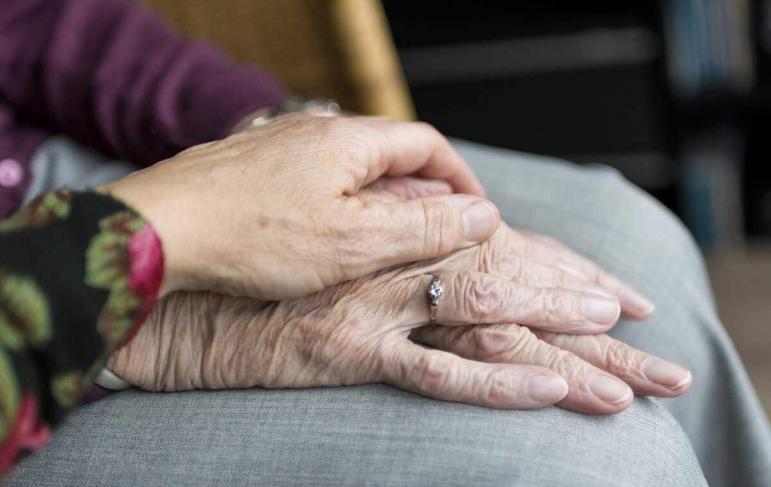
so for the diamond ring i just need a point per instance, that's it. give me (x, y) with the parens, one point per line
(435, 292)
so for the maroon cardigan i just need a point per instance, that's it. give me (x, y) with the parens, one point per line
(112, 76)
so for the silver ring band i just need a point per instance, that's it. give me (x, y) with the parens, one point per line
(434, 293)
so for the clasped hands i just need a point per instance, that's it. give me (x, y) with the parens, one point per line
(298, 254)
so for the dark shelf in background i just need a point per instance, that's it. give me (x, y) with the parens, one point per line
(579, 81)
(593, 82)
(432, 22)
(585, 112)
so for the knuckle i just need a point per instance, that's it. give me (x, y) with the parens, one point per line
(558, 360)
(550, 354)
(432, 374)
(490, 342)
(558, 306)
(483, 298)
(352, 143)
(620, 360)
(497, 386)
(340, 135)
(568, 365)
(527, 346)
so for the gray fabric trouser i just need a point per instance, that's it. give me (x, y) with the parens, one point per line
(377, 435)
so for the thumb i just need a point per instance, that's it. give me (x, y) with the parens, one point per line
(430, 227)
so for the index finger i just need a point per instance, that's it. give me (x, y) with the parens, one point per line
(417, 148)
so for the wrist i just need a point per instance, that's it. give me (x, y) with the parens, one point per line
(141, 200)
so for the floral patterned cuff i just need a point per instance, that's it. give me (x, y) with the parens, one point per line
(79, 273)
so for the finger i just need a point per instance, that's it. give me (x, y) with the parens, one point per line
(475, 297)
(529, 272)
(645, 373)
(407, 188)
(445, 376)
(591, 390)
(404, 148)
(497, 258)
(551, 252)
(422, 228)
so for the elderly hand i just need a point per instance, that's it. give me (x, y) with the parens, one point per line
(542, 262)
(535, 260)
(539, 261)
(272, 212)
(357, 332)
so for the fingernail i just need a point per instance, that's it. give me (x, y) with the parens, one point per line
(609, 390)
(479, 221)
(600, 310)
(546, 388)
(637, 303)
(666, 373)
(644, 305)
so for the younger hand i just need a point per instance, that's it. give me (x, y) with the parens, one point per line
(272, 212)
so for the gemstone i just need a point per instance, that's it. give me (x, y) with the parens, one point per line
(435, 290)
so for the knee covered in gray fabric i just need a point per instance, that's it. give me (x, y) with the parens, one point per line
(644, 446)
(639, 213)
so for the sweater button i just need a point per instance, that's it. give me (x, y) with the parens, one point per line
(10, 173)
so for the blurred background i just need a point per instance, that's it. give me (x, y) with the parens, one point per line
(676, 94)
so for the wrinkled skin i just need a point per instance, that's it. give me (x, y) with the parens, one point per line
(524, 292)
(273, 212)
